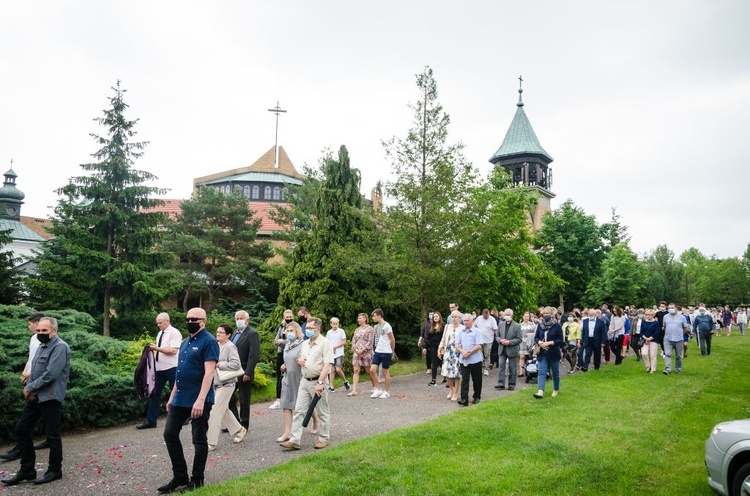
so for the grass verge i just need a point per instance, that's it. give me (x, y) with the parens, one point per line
(612, 431)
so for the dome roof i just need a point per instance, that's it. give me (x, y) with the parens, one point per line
(9, 190)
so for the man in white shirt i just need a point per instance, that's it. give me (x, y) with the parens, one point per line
(168, 342)
(383, 354)
(487, 326)
(337, 337)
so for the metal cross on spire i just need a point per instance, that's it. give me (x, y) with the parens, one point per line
(276, 110)
(520, 91)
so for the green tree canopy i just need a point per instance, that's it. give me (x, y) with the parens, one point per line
(666, 276)
(215, 240)
(571, 244)
(621, 280)
(9, 277)
(102, 258)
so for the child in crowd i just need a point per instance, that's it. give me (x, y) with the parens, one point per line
(337, 337)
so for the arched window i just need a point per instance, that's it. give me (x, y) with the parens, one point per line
(256, 192)
(267, 193)
(246, 191)
(276, 193)
(284, 193)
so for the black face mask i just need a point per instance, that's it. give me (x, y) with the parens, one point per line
(547, 318)
(43, 338)
(193, 327)
(288, 321)
(301, 319)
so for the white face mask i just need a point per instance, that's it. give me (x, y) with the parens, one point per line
(508, 318)
(240, 323)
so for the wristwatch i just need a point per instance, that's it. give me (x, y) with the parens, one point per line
(320, 382)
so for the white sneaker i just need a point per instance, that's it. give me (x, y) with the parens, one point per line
(376, 393)
(486, 372)
(275, 406)
(385, 395)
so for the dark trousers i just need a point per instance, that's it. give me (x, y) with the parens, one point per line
(475, 372)
(154, 403)
(51, 414)
(243, 390)
(616, 346)
(580, 356)
(634, 339)
(596, 351)
(279, 363)
(705, 337)
(434, 360)
(494, 356)
(175, 418)
(607, 349)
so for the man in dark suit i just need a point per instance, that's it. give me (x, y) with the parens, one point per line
(509, 337)
(594, 333)
(247, 341)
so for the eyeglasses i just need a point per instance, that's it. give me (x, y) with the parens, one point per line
(193, 319)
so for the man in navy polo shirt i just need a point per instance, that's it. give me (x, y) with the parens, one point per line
(191, 398)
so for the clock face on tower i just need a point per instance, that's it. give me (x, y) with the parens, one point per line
(11, 211)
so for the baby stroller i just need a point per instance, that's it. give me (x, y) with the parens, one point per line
(530, 369)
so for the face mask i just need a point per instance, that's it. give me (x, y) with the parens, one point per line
(671, 311)
(640, 315)
(592, 318)
(43, 338)
(431, 316)
(193, 327)
(547, 318)
(291, 336)
(289, 320)
(570, 319)
(302, 319)
(702, 312)
(240, 323)
(309, 333)
(508, 318)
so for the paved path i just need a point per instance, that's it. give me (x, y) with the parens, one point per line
(123, 460)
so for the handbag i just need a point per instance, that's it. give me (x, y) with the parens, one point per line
(641, 342)
(228, 375)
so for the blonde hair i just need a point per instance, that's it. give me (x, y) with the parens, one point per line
(296, 328)
(649, 312)
(334, 320)
(456, 313)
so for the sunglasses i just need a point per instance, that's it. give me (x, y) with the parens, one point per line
(193, 319)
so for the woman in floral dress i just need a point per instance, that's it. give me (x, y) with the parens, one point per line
(528, 328)
(450, 355)
(362, 342)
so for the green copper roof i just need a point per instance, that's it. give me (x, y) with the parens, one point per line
(520, 138)
(18, 231)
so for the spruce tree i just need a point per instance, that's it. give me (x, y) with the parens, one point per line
(9, 277)
(104, 254)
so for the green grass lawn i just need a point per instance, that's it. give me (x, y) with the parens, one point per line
(612, 431)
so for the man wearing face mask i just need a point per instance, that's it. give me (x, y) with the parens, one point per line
(674, 326)
(703, 325)
(303, 315)
(280, 342)
(44, 393)
(487, 326)
(594, 333)
(509, 337)
(192, 398)
(316, 359)
(247, 341)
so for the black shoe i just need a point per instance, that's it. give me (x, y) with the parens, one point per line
(173, 485)
(475, 401)
(500, 386)
(48, 477)
(42, 446)
(666, 372)
(445, 380)
(463, 402)
(432, 384)
(11, 455)
(193, 484)
(224, 429)
(186, 422)
(20, 477)
(511, 388)
(145, 425)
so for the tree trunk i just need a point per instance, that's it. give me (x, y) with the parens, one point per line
(106, 316)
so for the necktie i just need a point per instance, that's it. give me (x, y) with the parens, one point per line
(161, 336)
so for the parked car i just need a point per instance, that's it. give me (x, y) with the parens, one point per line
(728, 458)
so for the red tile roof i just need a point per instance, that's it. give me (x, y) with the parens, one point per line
(261, 211)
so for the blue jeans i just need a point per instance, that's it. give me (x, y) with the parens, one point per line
(544, 363)
(154, 403)
(175, 418)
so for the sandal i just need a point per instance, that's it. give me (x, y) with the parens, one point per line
(454, 398)
(353, 393)
(282, 439)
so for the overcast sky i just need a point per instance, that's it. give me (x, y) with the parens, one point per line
(644, 105)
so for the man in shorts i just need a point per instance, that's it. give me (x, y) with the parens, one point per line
(386, 343)
(337, 337)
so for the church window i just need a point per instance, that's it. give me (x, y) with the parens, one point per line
(284, 193)
(246, 191)
(276, 193)
(256, 192)
(267, 193)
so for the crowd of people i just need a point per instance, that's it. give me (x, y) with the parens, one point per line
(209, 376)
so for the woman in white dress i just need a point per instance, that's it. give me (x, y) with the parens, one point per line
(450, 355)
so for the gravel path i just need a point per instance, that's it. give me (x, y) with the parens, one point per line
(124, 460)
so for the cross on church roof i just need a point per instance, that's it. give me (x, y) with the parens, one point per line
(276, 110)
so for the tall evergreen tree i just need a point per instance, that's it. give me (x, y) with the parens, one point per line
(215, 240)
(103, 255)
(428, 193)
(328, 272)
(9, 277)
(621, 280)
